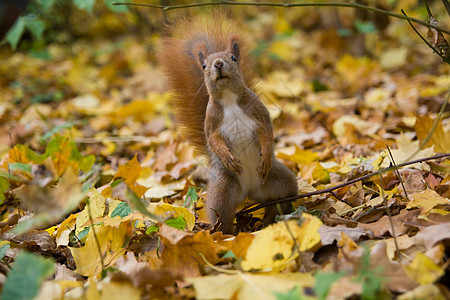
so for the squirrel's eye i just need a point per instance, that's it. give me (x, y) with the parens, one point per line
(204, 65)
(233, 58)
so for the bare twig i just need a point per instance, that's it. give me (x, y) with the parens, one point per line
(296, 247)
(447, 6)
(115, 139)
(388, 212)
(329, 4)
(328, 190)
(391, 158)
(425, 41)
(428, 9)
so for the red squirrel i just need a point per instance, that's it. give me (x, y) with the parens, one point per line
(209, 70)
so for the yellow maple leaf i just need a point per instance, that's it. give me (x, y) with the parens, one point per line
(248, 286)
(97, 204)
(273, 247)
(130, 173)
(165, 209)
(440, 138)
(407, 149)
(423, 270)
(113, 242)
(426, 200)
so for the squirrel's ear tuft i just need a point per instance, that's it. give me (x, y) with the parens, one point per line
(233, 46)
(200, 52)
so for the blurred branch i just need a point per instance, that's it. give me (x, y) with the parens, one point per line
(447, 6)
(445, 59)
(330, 4)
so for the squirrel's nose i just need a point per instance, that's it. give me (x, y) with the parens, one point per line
(218, 64)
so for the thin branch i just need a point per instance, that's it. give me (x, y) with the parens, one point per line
(391, 158)
(115, 139)
(423, 39)
(428, 9)
(447, 6)
(328, 190)
(296, 247)
(329, 4)
(388, 212)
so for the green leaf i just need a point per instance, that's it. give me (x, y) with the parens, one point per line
(365, 27)
(4, 187)
(35, 26)
(121, 210)
(191, 198)
(26, 276)
(369, 278)
(15, 33)
(152, 229)
(83, 233)
(20, 167)
(229, 254)
(3, 250)
(87, 5)
(324, 282)
(318, 86)
(58, 128)
(137, 203)
(178, 222)
(46, 5)
(293, 294)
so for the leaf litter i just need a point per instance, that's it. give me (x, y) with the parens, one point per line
(101, 190)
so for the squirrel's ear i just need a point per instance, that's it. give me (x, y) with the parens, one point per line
(233, 46)
(200, 52)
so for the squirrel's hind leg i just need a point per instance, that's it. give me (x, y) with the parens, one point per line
(224, 195)
(280, 183)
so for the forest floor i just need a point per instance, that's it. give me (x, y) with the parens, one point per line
(97, 183)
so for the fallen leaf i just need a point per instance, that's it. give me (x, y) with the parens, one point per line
(273, 247)
(113, 242)
(181, 250)
(423, 270)
(330, 234)
(247, 286)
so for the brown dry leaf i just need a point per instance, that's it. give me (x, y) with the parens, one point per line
(130, 173)
(30, 240)
(330, 234)
(436, 39)
(431, 235)
(440, 138)
(181, 250)
(400, 221)
(397, 279)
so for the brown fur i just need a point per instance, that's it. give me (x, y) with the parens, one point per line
(178, 56)
(208, 67)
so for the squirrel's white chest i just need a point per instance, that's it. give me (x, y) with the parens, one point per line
(239, 130)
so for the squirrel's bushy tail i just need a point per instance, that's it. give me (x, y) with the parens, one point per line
(176, 57)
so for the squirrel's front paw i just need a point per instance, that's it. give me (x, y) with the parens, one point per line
(232, 163)
(264, 167)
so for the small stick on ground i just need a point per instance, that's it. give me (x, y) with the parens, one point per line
(328, 190)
